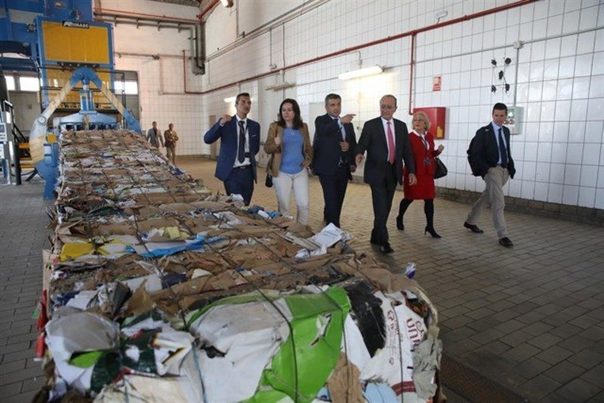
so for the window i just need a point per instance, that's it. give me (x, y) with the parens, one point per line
(10, 83)
(126, 87)
(31, 84)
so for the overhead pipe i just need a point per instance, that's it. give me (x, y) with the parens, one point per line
(209, 8)
(411, 71)
(198, 49)
(146, 23)
(411, 33)
(184, 83)
(269, 25)
(151, 55)
(142, 16)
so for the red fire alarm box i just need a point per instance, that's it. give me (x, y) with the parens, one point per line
(436, 115)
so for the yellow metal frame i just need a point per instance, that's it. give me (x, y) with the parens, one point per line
(77, 45)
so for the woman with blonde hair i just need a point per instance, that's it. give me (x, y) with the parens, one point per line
(422, 145)
(288, 144)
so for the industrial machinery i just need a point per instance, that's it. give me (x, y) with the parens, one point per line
(43, 144)
(68, 51)
(6, 149)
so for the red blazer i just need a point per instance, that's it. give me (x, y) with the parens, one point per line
(424, 169)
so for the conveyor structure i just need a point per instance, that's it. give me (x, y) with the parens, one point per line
(44, 145)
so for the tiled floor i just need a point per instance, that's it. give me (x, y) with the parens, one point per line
(530, 318)
(23, 234)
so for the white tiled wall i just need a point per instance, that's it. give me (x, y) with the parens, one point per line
(557, 77)
(161, 82)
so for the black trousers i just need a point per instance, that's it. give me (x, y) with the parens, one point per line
(241, 181)
(382, 194)
(334, 189)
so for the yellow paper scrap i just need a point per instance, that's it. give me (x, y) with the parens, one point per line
(75, 249)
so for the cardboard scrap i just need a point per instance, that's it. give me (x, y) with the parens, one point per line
(135, 236)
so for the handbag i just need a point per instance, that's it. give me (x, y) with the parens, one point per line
(268, 182)
(441, 168)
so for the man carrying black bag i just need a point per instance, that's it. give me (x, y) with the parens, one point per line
(490, 157)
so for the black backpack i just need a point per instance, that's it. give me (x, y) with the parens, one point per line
(473, 163)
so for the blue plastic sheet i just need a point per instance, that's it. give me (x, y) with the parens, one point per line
(194, 244)
(380, 393)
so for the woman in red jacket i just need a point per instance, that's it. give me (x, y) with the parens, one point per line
(422, 144)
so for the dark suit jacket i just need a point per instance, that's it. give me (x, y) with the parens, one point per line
(484, 151)
(326, 144)
(228, 145)
(373, 140)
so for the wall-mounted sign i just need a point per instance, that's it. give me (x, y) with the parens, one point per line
(436, 81)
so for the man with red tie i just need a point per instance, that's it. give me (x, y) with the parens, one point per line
(386, 142)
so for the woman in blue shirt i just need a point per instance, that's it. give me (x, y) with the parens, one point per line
(288, 144)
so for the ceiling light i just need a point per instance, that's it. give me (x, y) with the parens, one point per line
(367, 71)
(441, 14)
(280, 86)
(227, 3)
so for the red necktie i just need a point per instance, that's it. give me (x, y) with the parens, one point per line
(391, 145)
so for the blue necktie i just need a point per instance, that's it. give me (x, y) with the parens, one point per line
(503, 152)
(241, 148)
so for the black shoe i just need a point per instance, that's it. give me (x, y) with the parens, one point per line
(431, 231)
(473, 228)
(386, 249)
(399, 223)
(505, 241)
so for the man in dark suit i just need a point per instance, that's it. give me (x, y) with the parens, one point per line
(239, 144)
(387, 144)
(333, 156)
(490, 158)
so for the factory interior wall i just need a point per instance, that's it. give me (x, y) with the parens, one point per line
(557, 76)
(157, 57)
(156, 54)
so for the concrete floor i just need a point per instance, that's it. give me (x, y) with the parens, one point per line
(529, 319)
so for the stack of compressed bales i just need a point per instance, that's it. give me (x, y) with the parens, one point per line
(158, 290)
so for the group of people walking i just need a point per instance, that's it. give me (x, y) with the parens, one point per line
(168, 140)
(391, 153)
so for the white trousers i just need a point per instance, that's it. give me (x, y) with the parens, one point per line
(493, 195)
(284, 183)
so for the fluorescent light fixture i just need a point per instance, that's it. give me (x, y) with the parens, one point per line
(367, 71)
(441, 14)
(280, 86)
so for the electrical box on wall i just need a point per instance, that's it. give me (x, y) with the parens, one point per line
(514, 119)
(436, 116)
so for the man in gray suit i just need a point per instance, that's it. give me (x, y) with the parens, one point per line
(154, 136)
(386, 142)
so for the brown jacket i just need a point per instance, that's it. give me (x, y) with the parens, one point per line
(274, 150)
(170, 138)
